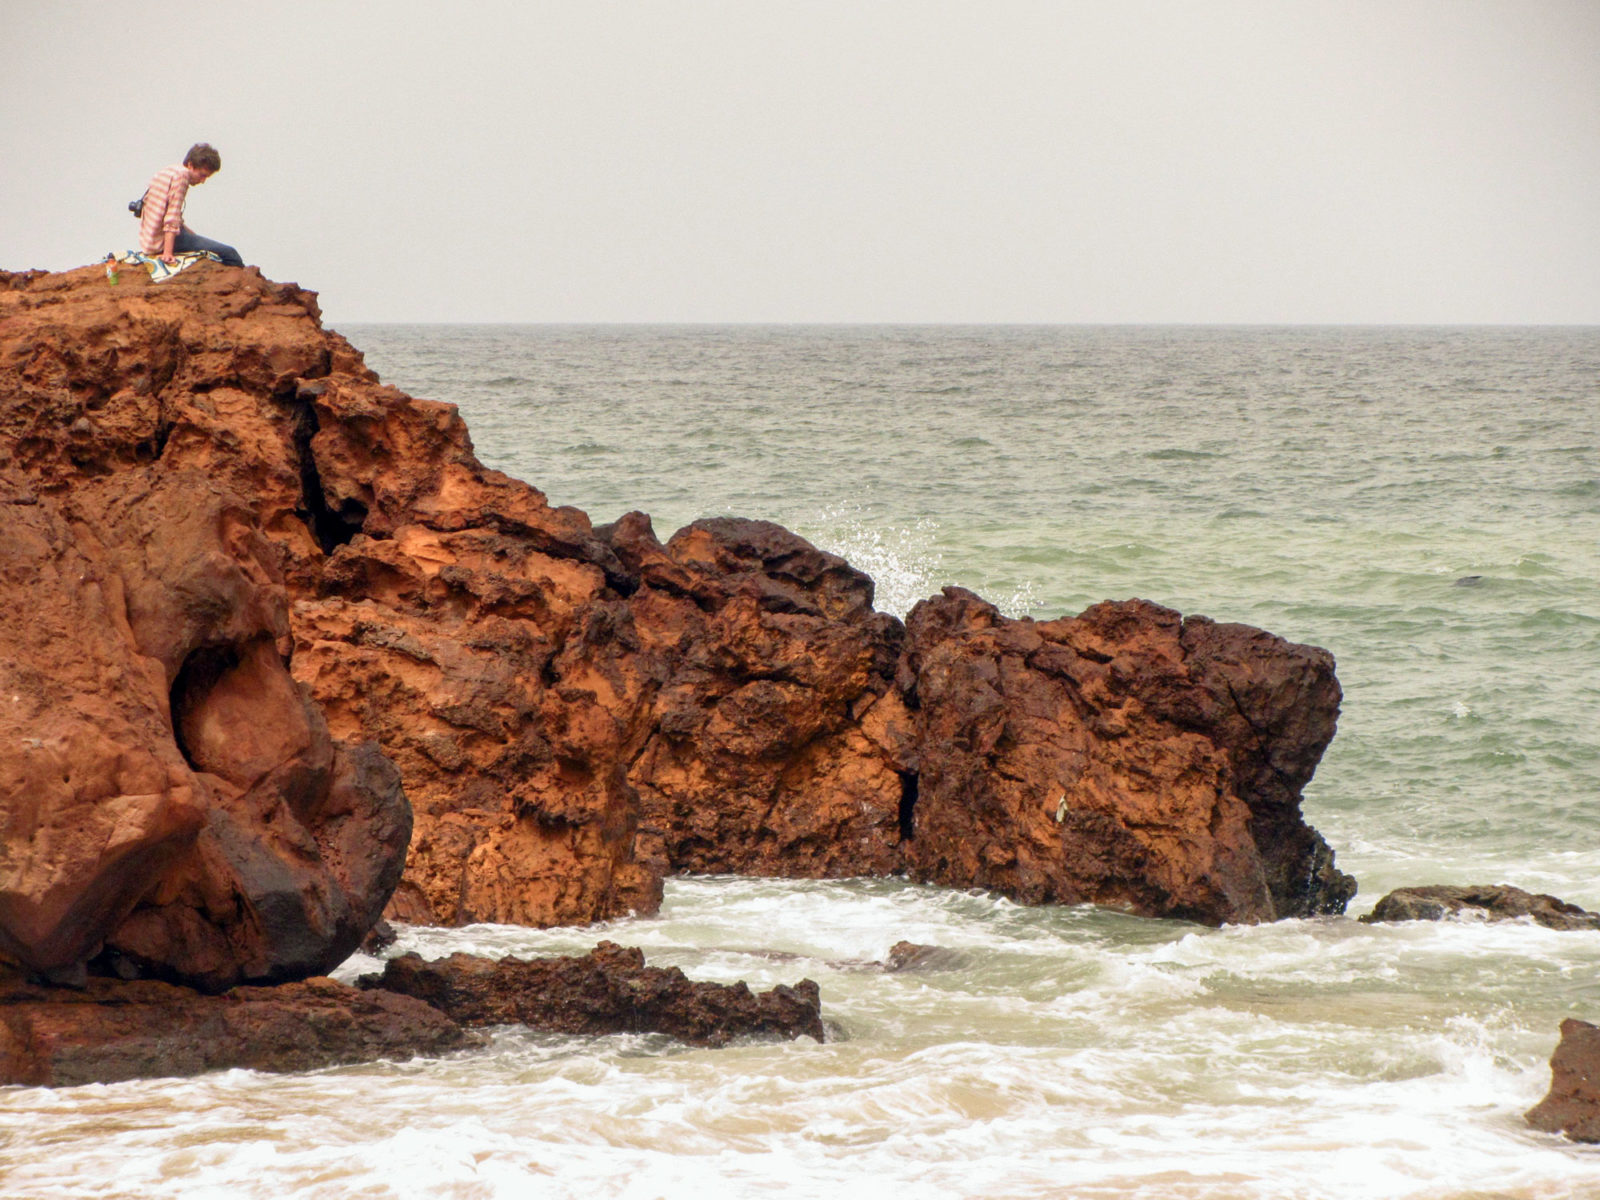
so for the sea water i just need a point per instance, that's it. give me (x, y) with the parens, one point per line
(1425, 503)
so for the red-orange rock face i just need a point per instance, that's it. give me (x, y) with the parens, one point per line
(239, 565)
(1124, 757)
(170, 797)
(768, 750)
(95, 799)
(453, 617)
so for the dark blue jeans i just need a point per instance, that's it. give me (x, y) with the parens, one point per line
(186, 241)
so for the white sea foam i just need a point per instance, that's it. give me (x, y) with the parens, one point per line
(1115, 1057)
(1316, 1059)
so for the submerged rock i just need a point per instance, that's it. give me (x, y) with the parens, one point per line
(609, 990)
(1573, 1105)
(112, 1030)
(1490, 902)
(379, 938)
(910, 956)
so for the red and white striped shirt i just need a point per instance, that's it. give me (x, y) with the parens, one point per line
(163, 208)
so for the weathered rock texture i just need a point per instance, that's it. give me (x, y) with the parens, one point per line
(241, 559)
(609, 990)
(1488, 902)
(1126, 757)
(169, 795)
(1573, 1105)
(112, 1030)
(772, 730)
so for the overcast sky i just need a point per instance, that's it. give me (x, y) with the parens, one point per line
(870, 160)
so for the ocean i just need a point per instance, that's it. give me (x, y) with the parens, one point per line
(1422, 502)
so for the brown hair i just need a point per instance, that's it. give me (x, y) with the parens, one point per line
(204, 156)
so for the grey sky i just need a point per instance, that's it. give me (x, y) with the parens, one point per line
(873, 160)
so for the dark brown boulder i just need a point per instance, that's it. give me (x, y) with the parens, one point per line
(1488, 902)
(1573, 1105)
(1127, 757)
(284, 881)
(609, 990)
(112, 1030)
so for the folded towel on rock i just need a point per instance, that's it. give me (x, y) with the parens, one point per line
(160, 272)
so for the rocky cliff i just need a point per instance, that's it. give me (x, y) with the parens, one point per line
(255, 601)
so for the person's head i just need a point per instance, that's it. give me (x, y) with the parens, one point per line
(203, 161)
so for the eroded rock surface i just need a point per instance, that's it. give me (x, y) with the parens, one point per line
(170, 797)
(1487, 902)
(1572, 1106)
(96, 801)
(609, 990)
(1127, 757)
(246, 559)
(113, 1030)
(773, 727)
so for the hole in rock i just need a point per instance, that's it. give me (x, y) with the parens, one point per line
(198, 675)
(332, 527)
(908, 805)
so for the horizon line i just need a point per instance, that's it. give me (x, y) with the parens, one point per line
(822, 324)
